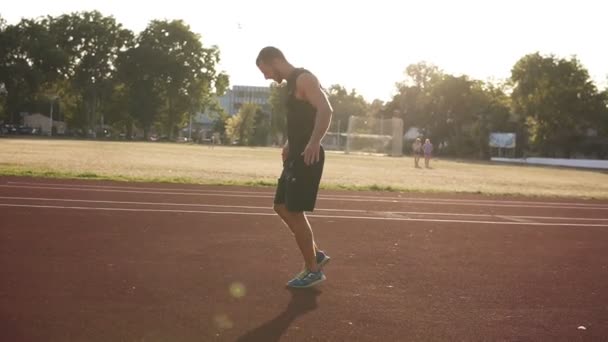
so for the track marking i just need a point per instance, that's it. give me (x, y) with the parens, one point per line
(311, 215)
(362, 199)
(515, 218)
(269, 193)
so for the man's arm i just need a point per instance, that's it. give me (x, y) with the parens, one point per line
(310, 89)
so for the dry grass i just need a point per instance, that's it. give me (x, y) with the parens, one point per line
(261, 166)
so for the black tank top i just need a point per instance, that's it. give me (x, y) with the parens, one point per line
(301, 116)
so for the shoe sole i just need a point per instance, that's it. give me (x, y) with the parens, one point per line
(323, 278)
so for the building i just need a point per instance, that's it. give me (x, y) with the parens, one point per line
(43, 123)
(239, 95)
(202, 127)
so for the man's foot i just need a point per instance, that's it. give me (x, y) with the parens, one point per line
(322, 260)
(309, 279)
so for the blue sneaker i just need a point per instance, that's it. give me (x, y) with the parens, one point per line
(322, 260)
(308, 280)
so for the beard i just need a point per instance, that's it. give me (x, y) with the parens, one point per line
(277, 75)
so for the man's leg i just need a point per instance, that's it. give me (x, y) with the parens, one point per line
(282, 211)
(300, 227)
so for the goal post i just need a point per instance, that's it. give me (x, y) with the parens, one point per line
(375, 135)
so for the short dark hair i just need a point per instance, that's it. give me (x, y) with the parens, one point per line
(268, 54)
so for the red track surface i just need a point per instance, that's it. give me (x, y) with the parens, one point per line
(101, 261)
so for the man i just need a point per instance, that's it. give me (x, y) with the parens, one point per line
(308, 117)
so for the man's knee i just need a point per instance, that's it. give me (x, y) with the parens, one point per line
(280, 209)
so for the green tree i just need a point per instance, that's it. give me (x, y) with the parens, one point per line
(117, 110)
(30, 62)
(93, 43)
(345, 104)
(493, 115)
(278, 109)
(557, 101)
(414, 100)
(137, 70)
(186, 69)
(455, 112)
(3, 92)
(377, 109)
(221, 119)
(240, 127)
(262, 128)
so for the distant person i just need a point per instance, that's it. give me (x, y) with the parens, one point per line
(308, 116)
(417, 149)
(428, 151)
(215, 140)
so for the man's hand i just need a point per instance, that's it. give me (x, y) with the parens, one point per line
(285, 152)
(311, 153)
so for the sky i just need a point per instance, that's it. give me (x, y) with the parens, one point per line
(368, 44)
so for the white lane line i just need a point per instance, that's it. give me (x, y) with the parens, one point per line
(137, 192)
(463, 203)
(332, 197)
(162, 203)
(326, 198)
(143, 188)
(312, 215)
(138, 210)
(514, 219)
(502, 216)
(417, 213)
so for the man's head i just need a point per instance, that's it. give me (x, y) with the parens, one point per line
(272, 64)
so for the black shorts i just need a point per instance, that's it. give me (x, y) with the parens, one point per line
(298, 185)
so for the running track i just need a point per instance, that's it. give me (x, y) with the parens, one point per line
(103, 261)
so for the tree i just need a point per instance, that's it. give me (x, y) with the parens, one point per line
(278, 111)
(422, 75)
(240, 128)
(261, 129)
(557, 101)
(3, 92)
(93, 43)
(186, 70)
(414, 98)
(137, 70)
(494, 115)
(203, 99)
(117, 110)
(30, 62)
(345, 104)
(455, 112)
(377, 109)
(221, 120)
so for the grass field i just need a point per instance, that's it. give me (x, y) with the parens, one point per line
(164, 162)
